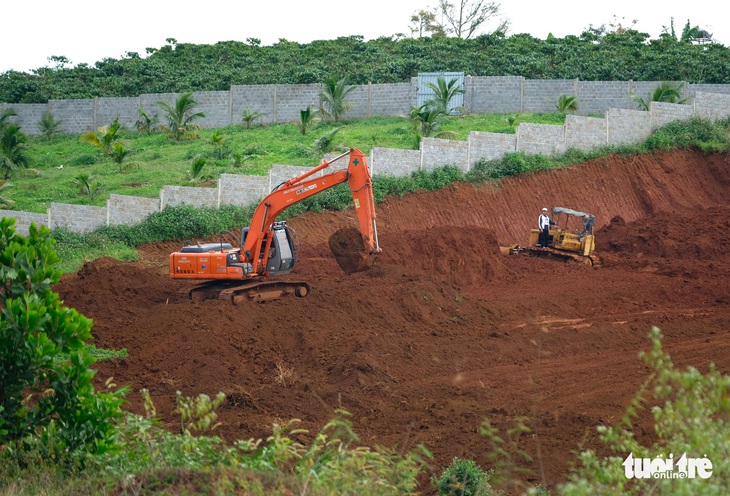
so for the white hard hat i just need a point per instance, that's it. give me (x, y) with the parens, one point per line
(544, 209)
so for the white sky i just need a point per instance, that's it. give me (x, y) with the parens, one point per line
(89, 31)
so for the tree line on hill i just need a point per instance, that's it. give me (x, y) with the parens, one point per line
(180, 67)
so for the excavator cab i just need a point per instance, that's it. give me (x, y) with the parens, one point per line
(281, 258)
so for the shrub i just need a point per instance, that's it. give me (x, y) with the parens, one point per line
(46, 387)
(463, 478)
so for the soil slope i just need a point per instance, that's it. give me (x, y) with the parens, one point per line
(445, 331)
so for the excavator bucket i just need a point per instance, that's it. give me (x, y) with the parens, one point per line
(350, 250)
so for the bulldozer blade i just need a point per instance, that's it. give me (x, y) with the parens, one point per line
(350, 251)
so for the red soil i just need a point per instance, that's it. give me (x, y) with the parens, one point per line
(444, 331)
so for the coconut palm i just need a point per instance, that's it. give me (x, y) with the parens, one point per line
(6, 114)
(13, 149)
(104, 138)
(88, 186)
(307, 118)
(249, 117)
(49, 125)
(665, 92)
(332, 96)
(567, 104)
(180, 116)
(427, 120)
(146, 123)
(195, 173)
(444, 92)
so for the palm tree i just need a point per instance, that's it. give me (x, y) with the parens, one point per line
(118, 154)
(104, 138)
(145, 123)
(443, 93)
(249, 117)
(567, 104)
(325, 144)
(12, 149)
(49, 125)
(332, 96)
(195, 173)
(665, 92)
(427, 120)
(307, 118)
(6, 114)
(88, 186)
(180, 117)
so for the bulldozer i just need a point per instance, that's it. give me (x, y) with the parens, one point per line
(267, 249)
(570, 238)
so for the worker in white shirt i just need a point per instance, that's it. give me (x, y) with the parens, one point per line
(544, 223)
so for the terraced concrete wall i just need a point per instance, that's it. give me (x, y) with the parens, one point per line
(618, 127)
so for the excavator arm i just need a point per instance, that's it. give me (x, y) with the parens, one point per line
(255, 248)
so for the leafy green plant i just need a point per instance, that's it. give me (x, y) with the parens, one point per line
(665, 92)
(195, 172)
(104, 138)
(5, 202)
(567, 104)
(333, 98)
(307, 118)
(13, 149)
(249, 117)
(42, 398)
(691, 416)
(146, 123)
(325, 143)
(118, 154)
(88, 186)
(427, 121)
(180, 117)
(444, 91)
(462, 478)
(49, 126)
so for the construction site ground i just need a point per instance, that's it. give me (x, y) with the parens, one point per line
(445, 331)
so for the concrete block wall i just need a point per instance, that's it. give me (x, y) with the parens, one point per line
(541, 139)
(712, 105)
(595, 97)
(627, 127)
(394, 162)
(216, 105)
(663, 113)
(498, 95)
(76, 116)
(437, 153)
(76, 218)
(125, 109)
(175, 196)
(585, 133)
(489, 146)
(28, 115)
(289, 99)
(541, 95)
(257, 98)
(391, 99)
(240, 190)
(23, 220)
(129, 210)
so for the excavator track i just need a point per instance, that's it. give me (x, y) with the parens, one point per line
(254, 291)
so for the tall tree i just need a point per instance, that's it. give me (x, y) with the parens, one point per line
(464, 18)
(423, 22)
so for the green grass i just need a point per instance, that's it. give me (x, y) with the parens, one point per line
(155, 160)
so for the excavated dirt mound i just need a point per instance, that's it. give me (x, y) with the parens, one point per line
(444, 331)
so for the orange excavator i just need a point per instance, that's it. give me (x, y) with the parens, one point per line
(267, 247)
